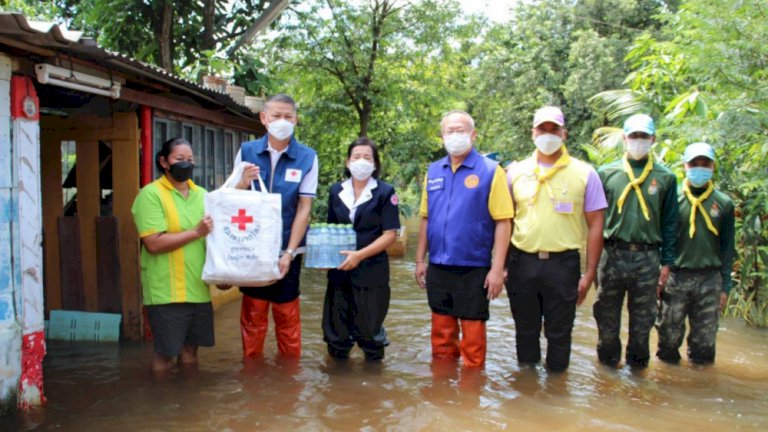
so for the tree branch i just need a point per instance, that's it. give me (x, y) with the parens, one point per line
(350, 48)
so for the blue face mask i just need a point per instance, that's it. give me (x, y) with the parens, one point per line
(698, 176)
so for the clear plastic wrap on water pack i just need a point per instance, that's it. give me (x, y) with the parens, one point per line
(325, 241)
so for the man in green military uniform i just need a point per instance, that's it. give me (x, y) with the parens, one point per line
(640, 233)
(701, 276)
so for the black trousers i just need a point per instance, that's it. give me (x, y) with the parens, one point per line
(458, 291)
(354, 313)
(543, 289)
(283, 291)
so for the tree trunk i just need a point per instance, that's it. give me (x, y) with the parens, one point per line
(365, 119)
(381, 11)
(209, 23)
(165, 39)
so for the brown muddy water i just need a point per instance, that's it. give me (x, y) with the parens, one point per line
(108, 387)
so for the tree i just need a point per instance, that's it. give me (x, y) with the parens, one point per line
(558, 52)
(350, 41)
(169, 33)
(382, 69)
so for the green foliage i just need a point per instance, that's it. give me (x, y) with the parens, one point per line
(592, 64)
(557, 52)
(379, 68)
(40, 10)
(135, 28)
(249, 72)
(208, 62)
(748, 307)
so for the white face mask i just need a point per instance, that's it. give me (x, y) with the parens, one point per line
(638, 148)
(457, 144)
(280, 129)
(548, 143)
(361, 169)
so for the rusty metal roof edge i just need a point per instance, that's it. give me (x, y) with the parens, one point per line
(185, 85)
(74, 39)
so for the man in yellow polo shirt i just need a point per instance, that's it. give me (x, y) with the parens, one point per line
(558, 199)
(465, 212)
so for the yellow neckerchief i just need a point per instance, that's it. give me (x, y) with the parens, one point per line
(543, 179)
(697, 203)
(634, 183)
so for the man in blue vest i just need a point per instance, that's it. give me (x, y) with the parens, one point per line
(465, 223)
(290, 169)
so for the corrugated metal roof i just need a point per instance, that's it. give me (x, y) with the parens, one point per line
(58, 38)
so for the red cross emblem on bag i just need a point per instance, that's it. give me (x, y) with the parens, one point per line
(241, 219)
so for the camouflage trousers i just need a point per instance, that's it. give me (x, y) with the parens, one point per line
(695, 294)
(635, 273)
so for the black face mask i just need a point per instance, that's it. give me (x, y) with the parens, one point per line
(182, 171)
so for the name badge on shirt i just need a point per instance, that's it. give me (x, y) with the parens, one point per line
(435, 184)
(564, 207)
(293, 175)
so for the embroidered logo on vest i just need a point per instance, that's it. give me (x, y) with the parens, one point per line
(471, 181)
(714, 211)
(653, 188)
(293, 175)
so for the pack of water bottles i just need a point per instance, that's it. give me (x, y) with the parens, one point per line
(325, 241)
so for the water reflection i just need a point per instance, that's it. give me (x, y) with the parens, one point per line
(109, 387)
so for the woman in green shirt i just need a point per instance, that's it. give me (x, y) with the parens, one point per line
(170, 217)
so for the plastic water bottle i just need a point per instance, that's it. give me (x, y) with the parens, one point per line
(309, 255)
(322, 254)
(351, 238)
(330, 247)
(337, 243)
(311, 239)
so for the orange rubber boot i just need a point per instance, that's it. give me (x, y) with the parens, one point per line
(472, 342)
(254, 321)
(288, 327)
(445, 336)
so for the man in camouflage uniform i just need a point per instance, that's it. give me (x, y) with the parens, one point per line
(701, 276)
(640, 232)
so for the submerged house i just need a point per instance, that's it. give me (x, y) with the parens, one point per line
(79, 127)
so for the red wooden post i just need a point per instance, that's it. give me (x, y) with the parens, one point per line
(147, 162)
(147, 158)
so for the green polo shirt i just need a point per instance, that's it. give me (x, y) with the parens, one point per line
(660, 193)
(171, 277)
(706, 249)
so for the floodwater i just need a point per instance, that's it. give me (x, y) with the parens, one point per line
(109, 386)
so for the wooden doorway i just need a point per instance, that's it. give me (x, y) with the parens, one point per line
(92, 255)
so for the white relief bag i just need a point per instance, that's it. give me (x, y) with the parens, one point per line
(244, 246)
